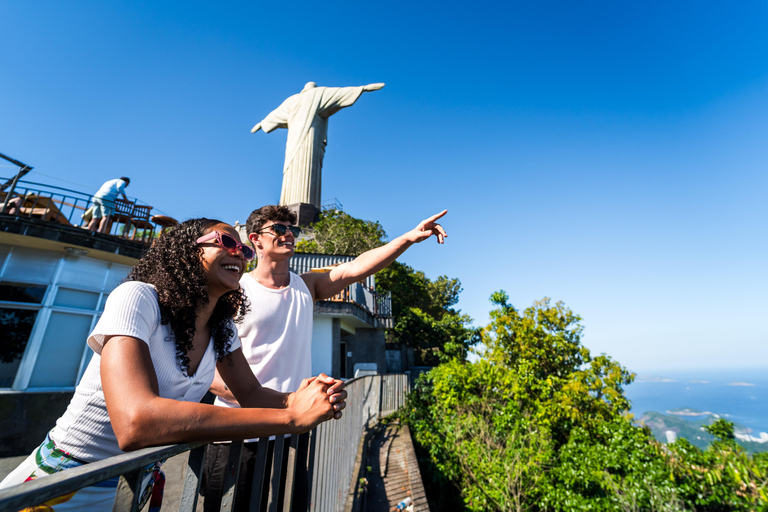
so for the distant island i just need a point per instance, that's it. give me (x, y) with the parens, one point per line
(689, 411)
(687, 422)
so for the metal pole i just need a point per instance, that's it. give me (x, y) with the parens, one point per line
(24, 170)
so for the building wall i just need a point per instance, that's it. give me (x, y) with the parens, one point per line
(400, 358)
(50, 299)
(334, 339)
(25, 418)
(366, 346)
(322, 346)
(335, 351)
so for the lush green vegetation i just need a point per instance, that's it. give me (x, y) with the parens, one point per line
(424, 315)
(425, 319)
(538, 423)
(336, 232)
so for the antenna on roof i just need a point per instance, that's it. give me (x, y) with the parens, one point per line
(12, 182)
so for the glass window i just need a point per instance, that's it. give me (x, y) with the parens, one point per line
(84, 272)
(15, 328)
(60, 353)
(28, 264)
(22, 292)
(76, 299)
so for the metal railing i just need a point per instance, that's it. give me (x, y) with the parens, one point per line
(51, 203)
(333, 450)
(377, 304)
(63, 205)
(362, 293)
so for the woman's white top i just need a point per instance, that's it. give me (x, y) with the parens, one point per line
(131, 310)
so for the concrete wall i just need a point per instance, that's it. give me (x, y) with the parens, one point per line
(394, 361)
(367, 346)
(399, 358)
(335, 351)
(25, 418)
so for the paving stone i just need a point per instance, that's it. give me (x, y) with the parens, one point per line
(394, 473)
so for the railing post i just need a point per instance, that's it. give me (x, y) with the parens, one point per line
(192, 479)
(290, 473)
(277, 468)
(257, 484)
(311, 467)
(24, 170)
(128, 492)
(229, 491)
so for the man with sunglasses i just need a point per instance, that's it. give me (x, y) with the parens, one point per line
(276, 335)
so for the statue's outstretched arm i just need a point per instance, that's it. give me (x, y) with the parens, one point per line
(373, 87)
(278, 118)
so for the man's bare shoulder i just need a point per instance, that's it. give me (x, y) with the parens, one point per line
(310, 280)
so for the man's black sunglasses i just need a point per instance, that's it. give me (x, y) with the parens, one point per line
(281, 229)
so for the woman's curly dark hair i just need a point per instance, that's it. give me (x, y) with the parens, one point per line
(174, 266)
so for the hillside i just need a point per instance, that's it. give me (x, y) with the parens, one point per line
(688, 423)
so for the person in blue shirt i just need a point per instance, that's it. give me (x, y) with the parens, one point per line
(104, 203)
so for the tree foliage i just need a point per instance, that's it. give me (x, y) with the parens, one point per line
(424, 317)
(337, 232)
(539, 423)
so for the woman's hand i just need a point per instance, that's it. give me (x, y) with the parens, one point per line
(337, 395)
(318, 399)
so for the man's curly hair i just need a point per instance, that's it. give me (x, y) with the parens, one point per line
(174, 266)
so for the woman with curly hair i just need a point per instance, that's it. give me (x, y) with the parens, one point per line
(162, 335)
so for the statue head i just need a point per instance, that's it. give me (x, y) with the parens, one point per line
(310, 85)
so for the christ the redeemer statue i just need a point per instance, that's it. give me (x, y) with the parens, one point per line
(306, 116)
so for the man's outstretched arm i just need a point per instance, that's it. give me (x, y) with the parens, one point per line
(325, 285)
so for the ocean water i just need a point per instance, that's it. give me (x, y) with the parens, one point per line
(739, 395)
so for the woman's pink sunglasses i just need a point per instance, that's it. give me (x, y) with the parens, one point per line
(228, 243)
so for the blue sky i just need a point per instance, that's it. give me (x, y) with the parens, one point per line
(606, 154)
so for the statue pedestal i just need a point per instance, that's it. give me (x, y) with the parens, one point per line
(306, 213)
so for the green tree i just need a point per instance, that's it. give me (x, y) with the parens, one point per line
(542, 346)
(538, 423)
(424, 317)
(722, 429)
(337, 232)
(721, 478)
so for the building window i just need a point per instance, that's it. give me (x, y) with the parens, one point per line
(22, 292)
(15, 329)
(49, 303)
(60, 355)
